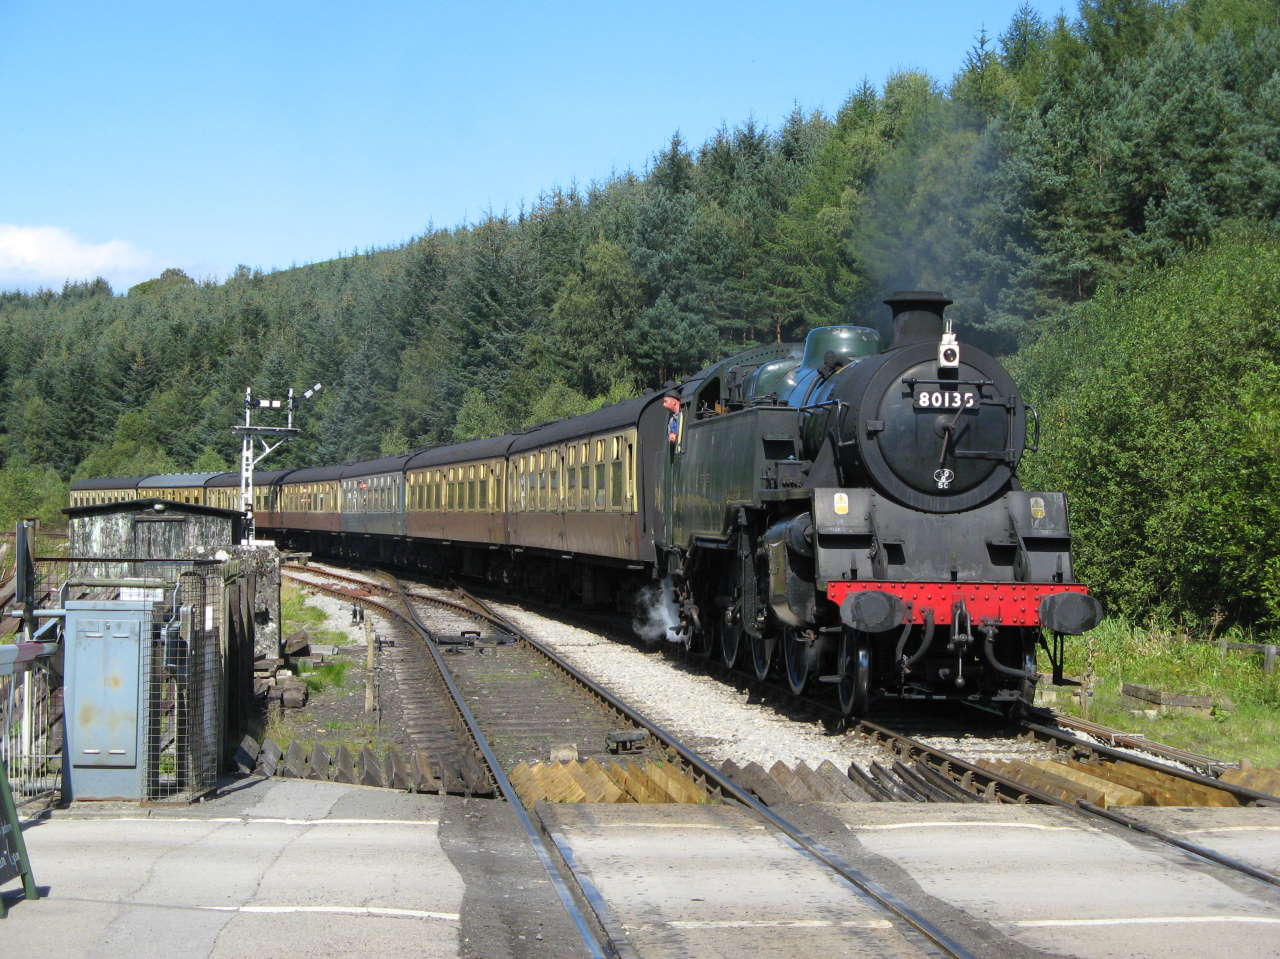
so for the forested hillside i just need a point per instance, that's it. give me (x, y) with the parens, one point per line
(1065, 157)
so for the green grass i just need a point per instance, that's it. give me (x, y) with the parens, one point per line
(296, 614)
(284, 728)
(326, 675)
(1171, 659)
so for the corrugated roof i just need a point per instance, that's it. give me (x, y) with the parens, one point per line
(149, 503)
(260, 478)
(175, 480)
(385, 464)
(461, 452)
(108, 482)
(617, 416)
(312, 474)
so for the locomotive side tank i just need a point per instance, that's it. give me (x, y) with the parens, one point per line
(858, 510)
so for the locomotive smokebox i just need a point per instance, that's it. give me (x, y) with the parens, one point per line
(917, 317)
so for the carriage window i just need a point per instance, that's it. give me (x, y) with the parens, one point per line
(631, 475)
(615, 485)
(484, 494)
(600, 487)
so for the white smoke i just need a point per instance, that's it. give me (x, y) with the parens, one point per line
(657, 613)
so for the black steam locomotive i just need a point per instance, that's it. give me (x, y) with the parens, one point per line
(840, 513)
(859, 508)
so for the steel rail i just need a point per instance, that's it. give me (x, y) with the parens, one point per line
(411, 619)
(1005, 788)
(1013, 791)
(1205, 765)
(589, 939)
(1246, 796)
(882, 896)
(375, 605)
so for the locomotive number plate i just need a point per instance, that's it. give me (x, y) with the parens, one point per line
(926, 399)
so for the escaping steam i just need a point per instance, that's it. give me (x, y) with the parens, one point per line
(657, 613)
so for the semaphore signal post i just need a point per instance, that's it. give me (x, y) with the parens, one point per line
(271, 438)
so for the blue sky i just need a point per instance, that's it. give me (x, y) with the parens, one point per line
(202, 136)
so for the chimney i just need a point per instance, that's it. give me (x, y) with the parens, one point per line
(917, 317)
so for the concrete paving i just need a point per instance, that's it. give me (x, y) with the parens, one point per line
(1250, 834)
(712, 881)
(289, 868)
(282, 868)
(1042, 879)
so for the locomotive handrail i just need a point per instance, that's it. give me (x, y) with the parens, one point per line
(913, 380)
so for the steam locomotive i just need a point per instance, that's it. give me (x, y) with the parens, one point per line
(831, 511)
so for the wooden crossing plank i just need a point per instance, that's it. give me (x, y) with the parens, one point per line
(754, 777)
(790, 783)
(319, 762)
(344, 766)
(428, 777)
(840, 782)
(1114, 793)
(610, 791)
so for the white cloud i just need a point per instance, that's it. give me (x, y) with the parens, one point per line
(47, 256)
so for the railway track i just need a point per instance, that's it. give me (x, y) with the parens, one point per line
(489, 682)
(1068, 768)
(906, 932)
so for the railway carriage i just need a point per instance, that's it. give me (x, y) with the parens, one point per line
(223, 491)
(310, 503)
(373, 497)
(95, 492)
(458, 495)
(176, 487)
(580, 495)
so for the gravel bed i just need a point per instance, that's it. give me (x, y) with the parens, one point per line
(718, 720)
(384, 728)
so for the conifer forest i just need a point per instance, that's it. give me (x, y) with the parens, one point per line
(1099, 193)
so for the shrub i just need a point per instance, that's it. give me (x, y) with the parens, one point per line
(1161, 408)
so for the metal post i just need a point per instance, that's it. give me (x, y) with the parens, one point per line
(24, 576)
(368, 668)
(248, 433)
(246, 472)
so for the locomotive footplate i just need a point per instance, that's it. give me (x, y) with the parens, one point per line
(875, 606)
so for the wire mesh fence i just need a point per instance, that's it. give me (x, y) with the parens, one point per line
(31, 730)
(177, 658)
(182, 670)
